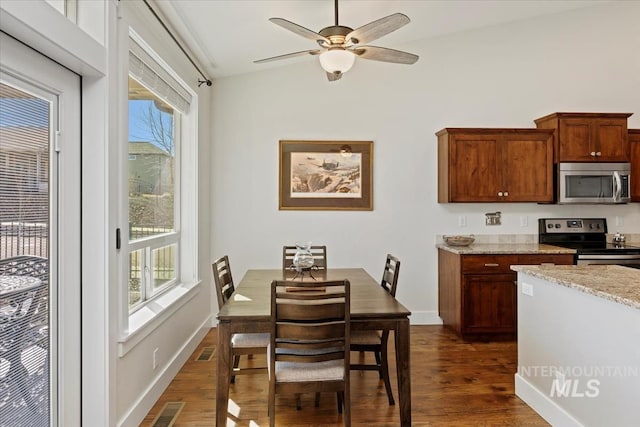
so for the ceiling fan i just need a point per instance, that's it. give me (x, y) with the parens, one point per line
(340, 45)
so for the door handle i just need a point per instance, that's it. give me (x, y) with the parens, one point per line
(617, 186)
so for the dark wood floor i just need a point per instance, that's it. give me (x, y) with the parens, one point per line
(453, 383)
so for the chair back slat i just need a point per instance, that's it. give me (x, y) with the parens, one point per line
(314, 333)
(223, 280)
(319, 256)
(390, 274)
(311, 312)
(310, 358)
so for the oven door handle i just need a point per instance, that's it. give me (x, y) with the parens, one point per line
(608, 257)
(617, 186)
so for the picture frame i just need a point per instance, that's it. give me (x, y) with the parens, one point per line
(326, 175)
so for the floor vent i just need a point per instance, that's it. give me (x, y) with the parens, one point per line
(206, 354)
(168, 414)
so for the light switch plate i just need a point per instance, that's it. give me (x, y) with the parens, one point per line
(527, 289)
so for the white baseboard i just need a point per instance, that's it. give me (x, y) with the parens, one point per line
(149, 397)
(543, 405)
(425, 318)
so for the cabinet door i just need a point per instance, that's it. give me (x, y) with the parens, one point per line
(610, 140)
(575, 140)
(634, 145)
(489, 303)
(527, 171)
(474, 168)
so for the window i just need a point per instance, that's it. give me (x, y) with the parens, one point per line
(158, 104)
(68, 8)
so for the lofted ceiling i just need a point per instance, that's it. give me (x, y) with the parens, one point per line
(226, 36)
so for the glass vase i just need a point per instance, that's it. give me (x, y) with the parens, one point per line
(303, 258)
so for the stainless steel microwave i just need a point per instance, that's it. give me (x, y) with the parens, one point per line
(594, 182)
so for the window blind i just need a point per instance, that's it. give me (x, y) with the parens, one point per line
(24, 216)
(148, 71)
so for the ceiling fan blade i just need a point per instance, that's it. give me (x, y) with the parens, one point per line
(289, 55)
(376, 29)
(334, 76)
(384, 54)
(300, 30)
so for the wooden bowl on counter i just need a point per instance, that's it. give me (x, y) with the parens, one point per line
(458, 240)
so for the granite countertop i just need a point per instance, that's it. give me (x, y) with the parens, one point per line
(506, 248)
(612, 282)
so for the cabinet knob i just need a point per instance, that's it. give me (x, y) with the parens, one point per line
(506, 193)
(500, 193)
(598, 154)
(593, 154)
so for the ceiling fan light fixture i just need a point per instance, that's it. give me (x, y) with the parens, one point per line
(337, 60)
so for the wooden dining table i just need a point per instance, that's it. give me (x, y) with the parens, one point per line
(372, 308)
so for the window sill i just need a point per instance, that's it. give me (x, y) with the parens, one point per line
(153, 314)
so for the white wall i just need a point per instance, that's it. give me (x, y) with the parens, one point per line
(502, 76)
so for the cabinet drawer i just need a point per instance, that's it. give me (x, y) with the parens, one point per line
(557, 259)
(488, 264)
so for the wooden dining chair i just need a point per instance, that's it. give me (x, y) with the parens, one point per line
(309, 350)
(376, 341)
(241, 343)
(319, 256)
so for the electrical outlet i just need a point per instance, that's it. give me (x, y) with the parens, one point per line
(619, 221)
(155, 358)
(462, 221)
(524, 221)
(527, 289)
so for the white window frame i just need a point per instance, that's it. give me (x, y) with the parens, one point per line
(134, 326)
(148, 244)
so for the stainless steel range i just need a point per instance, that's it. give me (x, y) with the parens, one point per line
(588, 236)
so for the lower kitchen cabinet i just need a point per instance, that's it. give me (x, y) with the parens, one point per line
(477, 292)
(488, 304)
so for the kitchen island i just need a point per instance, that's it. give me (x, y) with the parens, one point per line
(579, 343)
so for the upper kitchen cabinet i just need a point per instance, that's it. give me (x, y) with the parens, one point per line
(634, 148)
(495, 165)
(588, 137)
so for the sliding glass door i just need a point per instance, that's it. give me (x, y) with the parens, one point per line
(39, 239)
